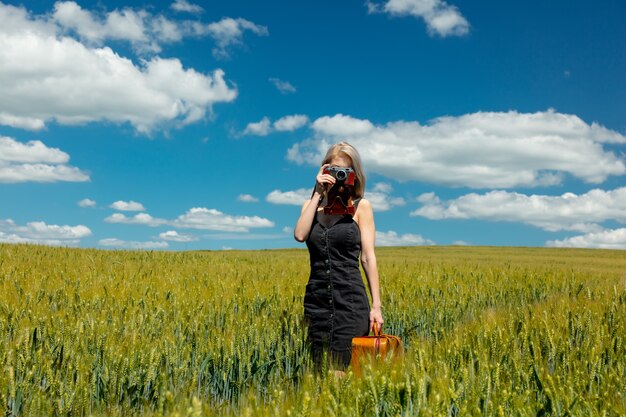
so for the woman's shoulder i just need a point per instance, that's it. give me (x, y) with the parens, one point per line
(363, 209)
(363, 202)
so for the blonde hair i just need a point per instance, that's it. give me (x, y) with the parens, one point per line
(344, 149)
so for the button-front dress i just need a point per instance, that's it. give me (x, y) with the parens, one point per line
(335, 303)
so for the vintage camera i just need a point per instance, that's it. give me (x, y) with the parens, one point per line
(344, 175)
(340, 194)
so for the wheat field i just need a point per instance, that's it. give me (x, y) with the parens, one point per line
(487, 331)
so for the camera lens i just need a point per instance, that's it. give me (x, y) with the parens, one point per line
(341, 175)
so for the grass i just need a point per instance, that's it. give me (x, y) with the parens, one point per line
(487, 331)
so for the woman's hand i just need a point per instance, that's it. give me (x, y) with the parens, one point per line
(322, 180)
(376, 316)
(309, 207)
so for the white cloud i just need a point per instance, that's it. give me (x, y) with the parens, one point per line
(42, 233)
(185, 6)
(124, 244)
(197, 218)
(13, 238)
(383, 188)
(287, 230)
(260, 128)
(569, 211)
(141, 218)
(30, 152)
(479, 150)
(86, 202)
(174, 236)
(246, 236)
(127, 206)
(47, 77)
(284, 87)
(381, 199)
(342, 125)
(290, 123)
(211, 219)
(441, 18)
(127, 24)
(392, 238)
(35, 162)
(605, 239)
(167, 31)
(293, 198)
(247, 198)
(146, 32)
(460, 243)
(229, 32)
(21, 122)
(285, 124)
(14, 173)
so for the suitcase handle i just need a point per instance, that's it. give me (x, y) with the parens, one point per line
(376, 329)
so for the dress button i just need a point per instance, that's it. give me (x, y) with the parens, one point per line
(326, 261)
(328, 271)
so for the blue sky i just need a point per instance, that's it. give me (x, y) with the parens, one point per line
(200, 125)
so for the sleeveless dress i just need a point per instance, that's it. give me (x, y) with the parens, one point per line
(336, 306)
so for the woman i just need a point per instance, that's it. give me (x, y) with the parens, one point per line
(335, 302)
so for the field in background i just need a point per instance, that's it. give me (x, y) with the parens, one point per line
(488, 331)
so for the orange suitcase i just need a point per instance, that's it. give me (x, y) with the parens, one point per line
(369, 347)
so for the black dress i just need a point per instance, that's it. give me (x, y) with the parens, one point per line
(335, 303)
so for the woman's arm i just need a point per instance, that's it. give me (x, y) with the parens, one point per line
(309, 208)
(368, 259)
(303, 225)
